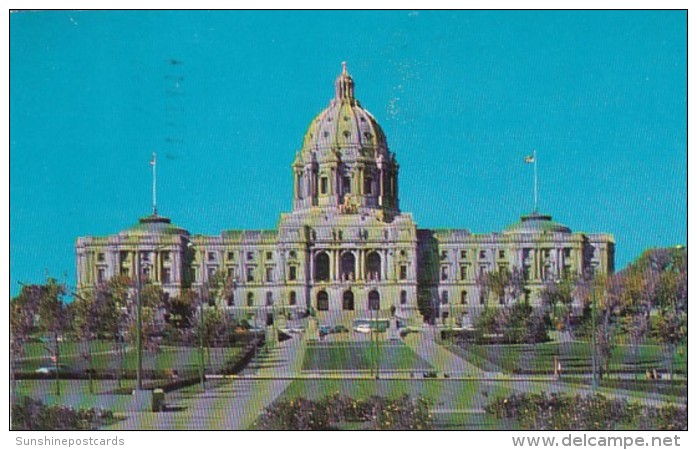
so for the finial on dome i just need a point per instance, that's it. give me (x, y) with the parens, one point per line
(344, 85)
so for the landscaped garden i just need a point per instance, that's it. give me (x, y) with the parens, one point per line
(362, 356)
(575, 358)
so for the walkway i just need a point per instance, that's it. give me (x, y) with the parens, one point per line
(227, 405)
(424, 344)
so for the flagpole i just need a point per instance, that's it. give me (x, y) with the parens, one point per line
(154, 184)
(534, 160)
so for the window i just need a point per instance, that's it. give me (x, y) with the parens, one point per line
(463, 254)
(250, 256)
(211, 272)
(269, 255)
(211, 256)
(482, 254)
(323, 184)
(269, 274)
(231, 299)
(446, 314)
(403, 272)
(145, 256)
(292, 254)
(166, 275)
(292, 273)
(146, 273)
(346, 185)
(292, 300)
(463, 297)
(444, 273)
(166, 256)
(322, 301)
(322, 267)
(101, 257)
(347, 303)
(463, 272)
(232, 273)
(445, 297)
(403, 298)
(403, 253)
(250, 299)
(230, 256)
(101, 275)
(269, 298)
(502, 254)
(374, 301)
(250, 273)
(444, 255)
(567, 253)
(368, 188)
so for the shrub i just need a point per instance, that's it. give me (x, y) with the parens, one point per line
(30, 414)
(590, 412)
(376, 413)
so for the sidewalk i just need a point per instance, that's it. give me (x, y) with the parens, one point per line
(232, 405)
(424, 344)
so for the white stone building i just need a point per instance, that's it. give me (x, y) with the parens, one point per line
(345, 249)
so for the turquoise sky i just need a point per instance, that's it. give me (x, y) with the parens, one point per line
(225, 99)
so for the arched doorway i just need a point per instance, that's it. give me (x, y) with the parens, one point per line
(322, 301)
(373, 266)
(322, 267)
(347, 303)
(348, 266)
(374, 301)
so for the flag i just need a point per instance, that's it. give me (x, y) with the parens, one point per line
(530, 159)
(153, 160)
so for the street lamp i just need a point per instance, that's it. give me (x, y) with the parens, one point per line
(594, 380)
(201, 325)
(139, 319)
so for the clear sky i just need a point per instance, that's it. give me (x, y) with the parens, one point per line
(225, 99)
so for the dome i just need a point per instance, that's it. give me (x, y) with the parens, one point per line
(155, 225)
(536, 223)
(344, 125)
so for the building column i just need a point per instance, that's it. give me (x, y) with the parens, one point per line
(332, 274)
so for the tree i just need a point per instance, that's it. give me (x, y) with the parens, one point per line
(22, 312)
(53, 318)
(505, 284)
(154, 304)
(670, 297)
(557, 297)
(96, 313)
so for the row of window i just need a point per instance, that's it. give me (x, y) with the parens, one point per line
(546, 253)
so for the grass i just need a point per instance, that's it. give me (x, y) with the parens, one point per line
(575, 358)
(106, 357)
(362, 356)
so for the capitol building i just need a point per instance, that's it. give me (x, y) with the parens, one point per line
(345, 249)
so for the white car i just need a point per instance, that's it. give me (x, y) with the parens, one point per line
(363, 328)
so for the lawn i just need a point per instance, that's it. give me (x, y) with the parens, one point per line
(107, 357)
(350, 356)
(575, 357)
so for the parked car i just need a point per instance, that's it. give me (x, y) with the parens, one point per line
(51, 370)
(362, 328)
(340, 329)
